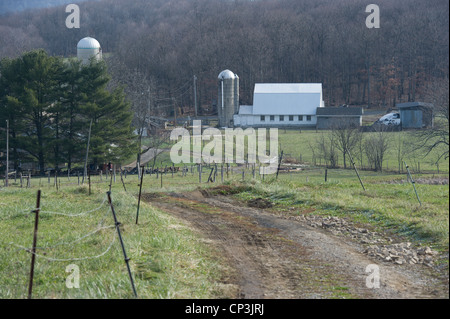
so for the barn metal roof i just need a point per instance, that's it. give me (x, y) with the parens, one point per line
(339, 111)
(287, 88)
(413, 105)
(287, 98)
(246, 109)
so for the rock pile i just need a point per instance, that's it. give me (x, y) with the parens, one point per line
(342, 226)
(402, 253)
(379, 246)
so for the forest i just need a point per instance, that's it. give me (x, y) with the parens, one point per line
(153, 51)
(165, 43)
(8, 6)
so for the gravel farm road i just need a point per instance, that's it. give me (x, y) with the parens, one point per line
(270, 256)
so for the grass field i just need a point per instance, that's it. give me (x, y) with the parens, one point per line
(167, 259)
(298, 146)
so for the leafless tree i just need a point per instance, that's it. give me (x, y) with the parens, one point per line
(436, 138)
(376, 146)
(346, 136)
(326, 149)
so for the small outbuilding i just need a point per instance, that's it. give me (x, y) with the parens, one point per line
(415, 115)
(338, 117)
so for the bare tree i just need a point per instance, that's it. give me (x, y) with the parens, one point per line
(436, 139)
(326, 149)
(140, 92)
(346, 137)
(376, 146)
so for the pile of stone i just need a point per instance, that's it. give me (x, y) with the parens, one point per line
(342, 226)
(379, 246)
(402, 253)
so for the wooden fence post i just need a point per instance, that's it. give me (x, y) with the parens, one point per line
(33, 251)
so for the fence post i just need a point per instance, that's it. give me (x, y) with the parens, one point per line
(110, 180)
(33, 251)
(413, 183)
(356, 170)
(279, 163)
(121, 243)
(121, 178)
(210, 174)
(139, 198)
(89, 179)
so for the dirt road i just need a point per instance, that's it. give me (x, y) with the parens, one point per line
(273, 257)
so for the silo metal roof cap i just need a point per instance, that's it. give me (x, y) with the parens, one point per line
(227, 74)
(88, 43)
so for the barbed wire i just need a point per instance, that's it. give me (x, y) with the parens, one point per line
(65, 214)
(69, 259)
(61, 243)
(100, 227)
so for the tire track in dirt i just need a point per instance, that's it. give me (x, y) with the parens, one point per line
(277, 258)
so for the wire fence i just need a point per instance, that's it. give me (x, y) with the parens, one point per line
(43, 251)
(99, 228)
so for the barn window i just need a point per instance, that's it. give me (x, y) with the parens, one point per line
(263, 118)
(272, 117)
(300, 117)
(291, 118)
(308, 117)
(281, 118)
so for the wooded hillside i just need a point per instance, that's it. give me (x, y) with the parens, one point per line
(327, 41)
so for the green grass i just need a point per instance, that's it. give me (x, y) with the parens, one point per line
(391, 207)
(167, 259)
(297, 144)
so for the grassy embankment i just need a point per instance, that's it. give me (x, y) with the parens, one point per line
(167, 259)
(389, 201)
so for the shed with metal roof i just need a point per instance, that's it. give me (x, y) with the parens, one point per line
(415, 115)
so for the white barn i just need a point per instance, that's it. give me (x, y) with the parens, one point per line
(282, 105)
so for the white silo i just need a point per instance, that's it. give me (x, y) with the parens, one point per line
(228, 97)
(88, 48)
(236, 94)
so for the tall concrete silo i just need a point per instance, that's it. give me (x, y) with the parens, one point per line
(88, 48)
(228, 97)
(236, 94)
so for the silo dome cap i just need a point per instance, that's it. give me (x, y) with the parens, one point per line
(88, 43)
(227, 74)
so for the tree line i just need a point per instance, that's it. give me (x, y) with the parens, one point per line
(52, 104)
(326, 41)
